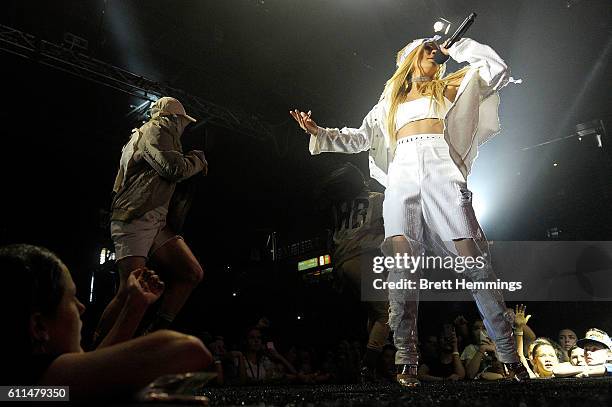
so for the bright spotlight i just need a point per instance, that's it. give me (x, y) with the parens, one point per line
(442, 25)
(106, 255)
(479, 207)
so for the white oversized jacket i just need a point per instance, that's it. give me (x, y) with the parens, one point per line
(471, 120)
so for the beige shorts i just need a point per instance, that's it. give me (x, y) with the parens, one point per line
(142, 236)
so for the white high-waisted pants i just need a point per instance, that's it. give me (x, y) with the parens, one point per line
(427, 194)
(427, 202)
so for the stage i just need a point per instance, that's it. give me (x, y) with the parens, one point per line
(557, 392)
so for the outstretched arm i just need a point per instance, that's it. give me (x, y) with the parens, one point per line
(566, 369)
(345, 140)
(126, 367)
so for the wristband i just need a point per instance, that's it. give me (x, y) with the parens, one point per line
(520, 333)
(455, 353)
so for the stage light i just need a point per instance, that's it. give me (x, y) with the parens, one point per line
(592, 130)
(91, 288)
(442, 25)
(234, 294)
(299, 317)
(479, 206)
(106, 255)
(555, 164)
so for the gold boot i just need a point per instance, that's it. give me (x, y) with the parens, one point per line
(407, 375)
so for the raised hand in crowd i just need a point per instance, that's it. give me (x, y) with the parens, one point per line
(520, 319)
(144, 288)
(144, 285)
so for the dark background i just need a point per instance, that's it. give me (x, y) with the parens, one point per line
(62, 137)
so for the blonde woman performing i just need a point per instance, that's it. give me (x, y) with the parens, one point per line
(422, 137)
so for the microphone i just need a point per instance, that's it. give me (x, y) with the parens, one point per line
(439, 57)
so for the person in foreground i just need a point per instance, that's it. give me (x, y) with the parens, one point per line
(152, 194)
(422, 137)
(44, 332)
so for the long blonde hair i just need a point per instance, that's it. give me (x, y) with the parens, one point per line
(397, 88)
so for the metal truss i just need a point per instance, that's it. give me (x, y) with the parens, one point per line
(68, 60)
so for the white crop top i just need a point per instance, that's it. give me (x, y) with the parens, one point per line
(419, 109)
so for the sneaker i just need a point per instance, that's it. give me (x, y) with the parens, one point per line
(407, 375)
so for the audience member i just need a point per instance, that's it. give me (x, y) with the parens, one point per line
(576, 356)
(543, 354)
(567, 338)
(447, 365)
(597, 355)
(257, 364)
(463, 332)
(43, 340)
(478, 356)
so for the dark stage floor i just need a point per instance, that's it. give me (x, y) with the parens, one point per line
(559, 392)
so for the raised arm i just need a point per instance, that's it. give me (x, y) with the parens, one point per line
(491, 68)
(472, 367)
(520, 321)
(159, 151)
(144, 288)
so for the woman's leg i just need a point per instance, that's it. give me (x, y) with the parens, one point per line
(109, 316)
(403, 313)
(181, 273)
(496, 316)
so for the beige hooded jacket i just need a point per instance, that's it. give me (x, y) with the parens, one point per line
(152, 163)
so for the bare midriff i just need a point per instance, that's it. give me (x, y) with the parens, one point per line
(423, 126)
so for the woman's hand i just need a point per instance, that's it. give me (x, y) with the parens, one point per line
(487, 345)
(305, 122)
(443, 48)
(144, 286)
(520, 320)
